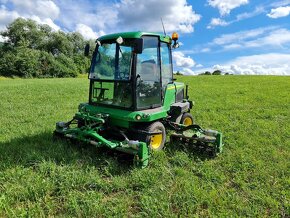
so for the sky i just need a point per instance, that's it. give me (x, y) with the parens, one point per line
(234, 36)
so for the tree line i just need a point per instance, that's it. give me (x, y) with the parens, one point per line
(35, 50)
(207, 73)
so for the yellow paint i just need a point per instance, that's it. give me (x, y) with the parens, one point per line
(187, 121)
(156, 141)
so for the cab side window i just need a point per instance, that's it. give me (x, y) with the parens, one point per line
(166, 65)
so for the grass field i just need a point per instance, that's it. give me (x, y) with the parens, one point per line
(251, 178)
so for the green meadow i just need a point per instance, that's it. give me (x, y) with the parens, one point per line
(40, 177)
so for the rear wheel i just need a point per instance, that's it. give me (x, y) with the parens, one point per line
(81, 123)
(156, 141)
(187, 119)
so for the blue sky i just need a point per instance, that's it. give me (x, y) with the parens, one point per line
(235, 36)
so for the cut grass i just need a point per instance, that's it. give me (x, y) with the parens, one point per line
(40, 177)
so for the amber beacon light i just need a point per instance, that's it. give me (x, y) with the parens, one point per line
(174, 36)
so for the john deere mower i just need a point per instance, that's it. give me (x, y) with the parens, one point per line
(134, 100)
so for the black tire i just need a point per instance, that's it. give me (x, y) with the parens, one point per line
(81, 123)
(187, 119)
(155, 143)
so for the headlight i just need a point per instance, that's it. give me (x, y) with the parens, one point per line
(138, 117)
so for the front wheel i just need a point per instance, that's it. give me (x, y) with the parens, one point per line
(187, 119)
(156, 141)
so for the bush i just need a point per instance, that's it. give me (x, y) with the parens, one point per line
(82, 63)
(178, 73)
(217, 72)
(65, 67)
(60, 66)
(21, 63)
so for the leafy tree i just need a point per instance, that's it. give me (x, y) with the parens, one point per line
(77, 41)
(25, 33)
(178, 73)
(58, 43)
(60, 66)
(82, 64)
(207, 73)
(34, 50)
(217, 72)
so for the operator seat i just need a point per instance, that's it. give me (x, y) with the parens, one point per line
(149, 71)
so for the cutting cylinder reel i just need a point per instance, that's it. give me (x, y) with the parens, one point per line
(95, 130)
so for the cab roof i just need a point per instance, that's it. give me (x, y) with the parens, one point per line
(137, 34)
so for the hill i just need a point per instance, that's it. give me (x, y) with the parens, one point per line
(40, 177)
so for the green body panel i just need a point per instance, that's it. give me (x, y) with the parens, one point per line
(136, 35)
(169, 97)
(123, 118)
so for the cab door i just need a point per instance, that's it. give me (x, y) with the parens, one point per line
(166, 66)
(148, 74)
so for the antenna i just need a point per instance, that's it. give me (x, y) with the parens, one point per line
(163, 26)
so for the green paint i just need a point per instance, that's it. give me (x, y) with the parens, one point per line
(136, 35)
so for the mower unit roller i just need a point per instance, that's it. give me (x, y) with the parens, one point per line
(134, 100)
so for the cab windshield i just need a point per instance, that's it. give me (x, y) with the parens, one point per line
(110, 74)
(112, 61)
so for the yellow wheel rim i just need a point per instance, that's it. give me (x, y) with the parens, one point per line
(187, 121)
(156, 141)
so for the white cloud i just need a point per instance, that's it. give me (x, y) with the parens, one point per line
(176, 15)
(6, 17)
(246, 15)
(279, 12)
(225, 6)
(103, 16)
(277, 4)
(47, 21)
(187, 71)
(204, 50)
(276, 38)
(232, 46)
(42, 11)
(50, 23)
(87, 31)
(241, 35)
(182, 61)
(40, 8)
(263, 64)
(217, 22)
(264, 38)
(258, 10)
(128, 15)
(3, 39)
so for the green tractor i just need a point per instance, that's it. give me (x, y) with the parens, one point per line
(134, 100)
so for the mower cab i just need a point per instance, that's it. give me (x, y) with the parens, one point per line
(133, 98)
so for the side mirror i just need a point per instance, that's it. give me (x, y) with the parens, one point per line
(175, 45)
(87, 50)
(138, 46)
